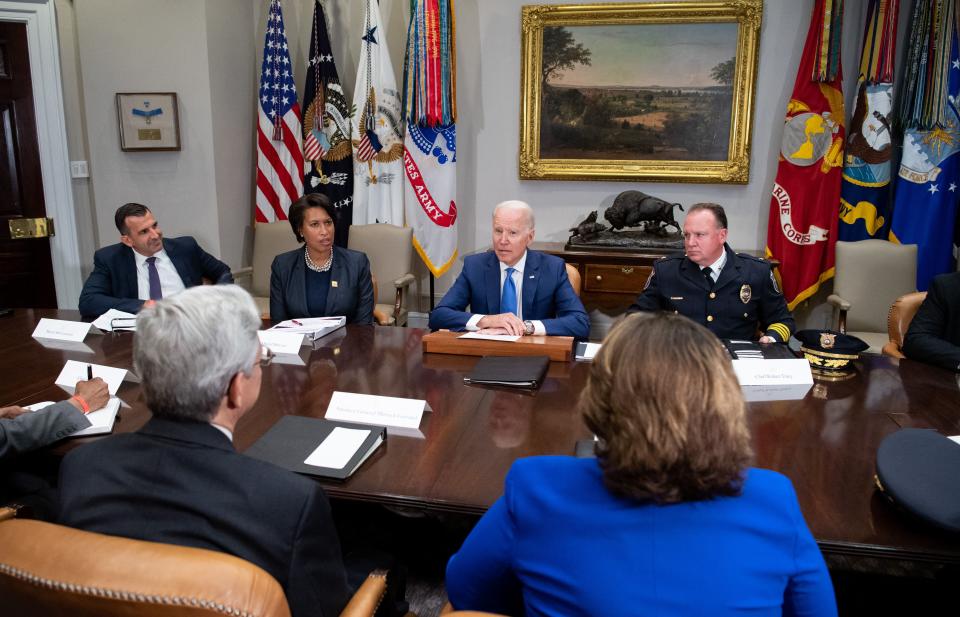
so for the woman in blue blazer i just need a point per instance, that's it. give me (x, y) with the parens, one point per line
(669, 519)
(319, 279)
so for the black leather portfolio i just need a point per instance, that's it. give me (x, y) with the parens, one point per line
(511, 371)
(294, 438)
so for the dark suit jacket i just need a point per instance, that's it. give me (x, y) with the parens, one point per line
(934, 333)
(742, 301)
(546, 294)
(113, 282)
(34, 430)
(352, 296)
(183, 483)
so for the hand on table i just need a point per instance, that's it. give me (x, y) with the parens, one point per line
(12, 412)
(767, 339)
(508, 321)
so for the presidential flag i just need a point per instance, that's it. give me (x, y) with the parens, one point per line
(327, 150)
(925, 203)
(376, 137)
(279, 149)
(865, 202)
(802, 229)
(430, 145)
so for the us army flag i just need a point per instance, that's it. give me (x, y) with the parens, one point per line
(802, 228)
(327, 151)
(865, 197)
(430, 146)
(925, 204)
(377, 142)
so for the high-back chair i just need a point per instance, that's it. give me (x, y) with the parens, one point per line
(390, 250)
(870, 275)
(898, 321)
(269, 240)
(575, 281)
(55, 571)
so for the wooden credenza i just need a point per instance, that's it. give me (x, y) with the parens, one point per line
(610, 279)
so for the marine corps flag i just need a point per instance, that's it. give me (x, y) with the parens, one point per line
(377, 142)
(430, 147)
(865, 197)
(803, 209)
(925, 204)
(327, 151)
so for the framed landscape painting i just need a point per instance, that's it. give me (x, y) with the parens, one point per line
(638, 91)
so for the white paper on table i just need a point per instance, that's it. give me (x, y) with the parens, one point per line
(507, 338)
(74, 371)
(312, 327)
(62, 330)
(101, 420)
(590, 351)
(105, 321)
(788, 392)
(338, 448)
(65, 345)
(773, 372)
(377, 410)
(280, 342)
(955, 438)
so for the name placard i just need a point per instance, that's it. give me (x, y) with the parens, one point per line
(280, 342)
(61, 330)
(377, 410)
(773, 372)
(74, 371)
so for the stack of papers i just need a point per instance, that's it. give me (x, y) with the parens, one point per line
(312, 327)
(101, 420)
(114, 320)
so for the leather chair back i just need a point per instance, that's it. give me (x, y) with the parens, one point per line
(898, 321)
(870, 275)
(575, 281)
(51, 570)
(390, 250)
(269, 240)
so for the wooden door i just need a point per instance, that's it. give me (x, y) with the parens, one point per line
(26, 267)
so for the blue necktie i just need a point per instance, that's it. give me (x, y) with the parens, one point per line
(508, 300)
(155, 292)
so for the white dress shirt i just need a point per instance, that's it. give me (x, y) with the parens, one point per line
(538, 327)
(717, 266)
(170, 282)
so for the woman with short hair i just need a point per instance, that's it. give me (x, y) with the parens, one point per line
(319, 279)
(669, 519)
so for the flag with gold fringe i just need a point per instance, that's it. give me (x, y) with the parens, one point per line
(327, 151)
(430, 145)
(865, 202)
(802, 229)
(377, 141)
(925, 196)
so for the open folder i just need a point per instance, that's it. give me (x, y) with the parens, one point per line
(318, 447)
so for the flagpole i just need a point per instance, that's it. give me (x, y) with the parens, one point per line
(431, 291)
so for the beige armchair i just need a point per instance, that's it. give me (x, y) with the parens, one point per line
(390, 249)
(48, 569)
(870, 275)
(269, 240)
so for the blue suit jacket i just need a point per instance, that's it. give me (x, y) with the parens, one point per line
(184, 483)
(559, 543)
(113, 282)
(547, 295)
(352, 297)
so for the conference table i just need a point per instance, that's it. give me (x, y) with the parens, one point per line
(826, 442)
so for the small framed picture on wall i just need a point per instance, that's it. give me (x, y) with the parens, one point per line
(148, 121)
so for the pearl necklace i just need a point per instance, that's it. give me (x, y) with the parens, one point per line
(321, 268)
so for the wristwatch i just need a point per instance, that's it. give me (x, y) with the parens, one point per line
(528, 328)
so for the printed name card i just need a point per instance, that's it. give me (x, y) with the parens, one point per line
(377, 410)
(62, 330)
(280, 342)
(773, 372)
(74, 371)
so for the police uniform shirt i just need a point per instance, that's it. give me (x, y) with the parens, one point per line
(743, 300)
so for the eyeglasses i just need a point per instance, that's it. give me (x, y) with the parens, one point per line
(266, 355)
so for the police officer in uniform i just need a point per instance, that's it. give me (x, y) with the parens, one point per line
(735, 296)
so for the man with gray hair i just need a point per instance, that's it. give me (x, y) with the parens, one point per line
(179, 480)
(512, 289)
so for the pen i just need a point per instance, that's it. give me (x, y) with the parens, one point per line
(89, 372)
(296, 322)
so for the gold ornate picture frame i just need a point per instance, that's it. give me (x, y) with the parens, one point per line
(654, 92)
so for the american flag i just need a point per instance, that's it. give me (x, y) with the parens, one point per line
(279, 153)
(369, 143)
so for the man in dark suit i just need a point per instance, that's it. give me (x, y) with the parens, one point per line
(179, 480)
(145, 266)
(734, 295)
(511, 289)
(934, 333)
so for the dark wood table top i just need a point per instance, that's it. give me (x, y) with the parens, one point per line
(825, 443)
